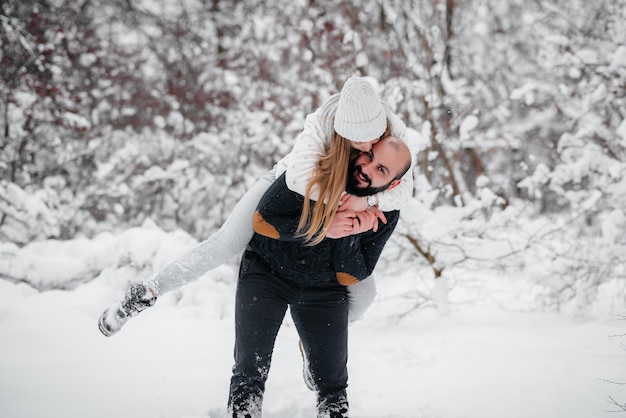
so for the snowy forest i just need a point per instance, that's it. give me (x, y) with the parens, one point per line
(116, 112)
(157, 115)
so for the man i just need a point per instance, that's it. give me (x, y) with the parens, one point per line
(280, 270)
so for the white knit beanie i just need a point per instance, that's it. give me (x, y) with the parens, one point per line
(360, 115)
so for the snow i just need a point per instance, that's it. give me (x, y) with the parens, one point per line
(621, 131)
(493, 357)
(467, 126)
(619, 58)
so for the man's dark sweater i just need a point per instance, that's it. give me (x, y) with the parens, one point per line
(346, 260)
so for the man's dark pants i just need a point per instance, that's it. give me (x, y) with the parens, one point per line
(320, 314)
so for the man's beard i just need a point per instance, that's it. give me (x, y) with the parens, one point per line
(353, 186)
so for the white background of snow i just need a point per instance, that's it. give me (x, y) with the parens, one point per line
(488, 359)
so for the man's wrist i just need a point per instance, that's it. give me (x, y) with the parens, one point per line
(372, 200)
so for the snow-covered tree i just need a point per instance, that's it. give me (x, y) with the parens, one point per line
(114, 112)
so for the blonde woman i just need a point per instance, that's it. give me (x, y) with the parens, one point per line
(356, 119)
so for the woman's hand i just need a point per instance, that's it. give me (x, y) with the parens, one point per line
(353, 203)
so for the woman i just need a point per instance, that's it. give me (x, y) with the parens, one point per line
(355, 118)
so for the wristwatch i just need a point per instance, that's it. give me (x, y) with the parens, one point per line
(371, 200)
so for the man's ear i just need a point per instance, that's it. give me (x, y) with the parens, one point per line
(394, 184)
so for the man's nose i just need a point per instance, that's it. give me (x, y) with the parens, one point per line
(366, 169)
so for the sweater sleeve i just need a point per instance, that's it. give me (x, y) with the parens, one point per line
(278, 213)
(355, 256)
(309, 147)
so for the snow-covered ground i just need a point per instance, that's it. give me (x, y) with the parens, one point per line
(483, 361)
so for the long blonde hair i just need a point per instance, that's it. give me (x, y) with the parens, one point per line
(329, 179)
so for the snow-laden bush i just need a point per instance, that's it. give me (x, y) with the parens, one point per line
(25, 216)
(128, 257)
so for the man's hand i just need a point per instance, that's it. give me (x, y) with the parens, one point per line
(342, 224)
(353, 203)
(349, 222)
(368, 219)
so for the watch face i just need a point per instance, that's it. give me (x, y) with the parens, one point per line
(371, 200)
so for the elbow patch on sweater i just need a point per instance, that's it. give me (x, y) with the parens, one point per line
(263, 227)
(346, 279)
